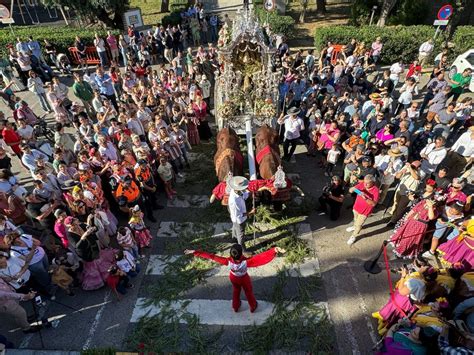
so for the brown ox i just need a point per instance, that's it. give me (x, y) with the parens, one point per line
(228, 157)
(267, 152)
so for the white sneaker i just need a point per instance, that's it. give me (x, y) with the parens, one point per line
(351, 240)
(428, 254)
(350, 229)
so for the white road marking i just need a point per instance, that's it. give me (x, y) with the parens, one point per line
(212, 312)
(364, 308)
(157, 265)
(189, 201)
(173, 229)
(349, 331)
(96, 321)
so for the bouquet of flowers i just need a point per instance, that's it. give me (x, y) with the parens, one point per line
(265, 108)
(227, 109)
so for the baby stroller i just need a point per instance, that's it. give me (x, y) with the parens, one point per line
(63, 64)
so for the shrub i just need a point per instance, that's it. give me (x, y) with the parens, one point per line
(399, 42)
(463, 39)
(172, 19)
(361, 11)
(178, 5)
(407, 13)
(279, 24)
(62, 37)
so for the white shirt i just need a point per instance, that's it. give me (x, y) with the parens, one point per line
(99, 45)
(14, 266)
(17, 251)
(109, 152)
(205, 86)
(426, 49)
(388, 167)
(127, 263)
(25, 133)
(435, 157)
(293, 127)
(395, 70)
(237, 208)
(333, 155)
(464, 145)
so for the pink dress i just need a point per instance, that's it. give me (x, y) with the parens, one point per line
(381, 137)
(142, 234)
(391, 313)
(460, 249)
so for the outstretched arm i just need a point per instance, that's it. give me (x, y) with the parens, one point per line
(204, 255)
(263, 258)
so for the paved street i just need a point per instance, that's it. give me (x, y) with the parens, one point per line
(338, 286)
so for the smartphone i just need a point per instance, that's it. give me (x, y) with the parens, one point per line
(38, 300)
(358, 192)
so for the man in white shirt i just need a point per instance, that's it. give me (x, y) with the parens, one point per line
(237, 208)
(293, 127)
(432, 155)
(425, 51)
(395, 71)
(205, 86)
(460, 154)
(14, 271)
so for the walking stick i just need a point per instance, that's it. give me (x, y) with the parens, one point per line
(254, 216)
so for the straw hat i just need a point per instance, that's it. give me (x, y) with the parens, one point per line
(395, 152)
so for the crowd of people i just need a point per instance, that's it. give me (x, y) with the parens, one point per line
(134, 125)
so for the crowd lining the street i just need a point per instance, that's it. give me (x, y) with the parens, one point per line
(135, 125)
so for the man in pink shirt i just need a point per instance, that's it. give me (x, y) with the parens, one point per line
(112, 42)
(366, 200)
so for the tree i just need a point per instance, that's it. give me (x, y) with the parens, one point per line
(165, 6)
(321, 6)
(304, 6)
(387, 6)
(462, 12)
(109, 12)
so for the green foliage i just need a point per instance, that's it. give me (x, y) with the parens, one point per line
(399, 42)
(361, 11)
(178, 5)
(407, 13)
(62, 37)
(278, 23)
(108, 12)
(463, 39)
(172, 19)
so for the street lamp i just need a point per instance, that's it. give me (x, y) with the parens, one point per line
(374, 8)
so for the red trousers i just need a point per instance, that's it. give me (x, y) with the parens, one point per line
(237, 284)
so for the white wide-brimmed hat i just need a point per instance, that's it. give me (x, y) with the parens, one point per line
(238, 183)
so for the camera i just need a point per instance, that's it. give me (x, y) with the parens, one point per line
(38, 301)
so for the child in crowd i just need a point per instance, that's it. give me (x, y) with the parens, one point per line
(332, 158)
(137, 225)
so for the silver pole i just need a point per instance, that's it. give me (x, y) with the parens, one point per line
(250, 152)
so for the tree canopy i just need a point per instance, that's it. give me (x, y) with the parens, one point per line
(109, 12)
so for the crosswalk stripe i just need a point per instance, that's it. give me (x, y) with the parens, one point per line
(213, 312)
(189, 201)
(169, 229)
(157, 265)
(173, 229)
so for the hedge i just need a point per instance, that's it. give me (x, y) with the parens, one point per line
(279, 24)
(178, 5)
(399, 41)
(62, 37)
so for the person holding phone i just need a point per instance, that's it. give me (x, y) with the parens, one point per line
(367, 197)
(84, 242)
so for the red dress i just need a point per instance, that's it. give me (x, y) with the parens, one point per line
(238, 273)
(408, 239)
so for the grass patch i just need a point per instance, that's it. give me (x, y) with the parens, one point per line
(164, 333)
(293, 325)
(150, 10)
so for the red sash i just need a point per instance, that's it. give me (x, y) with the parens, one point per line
(261, 154)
